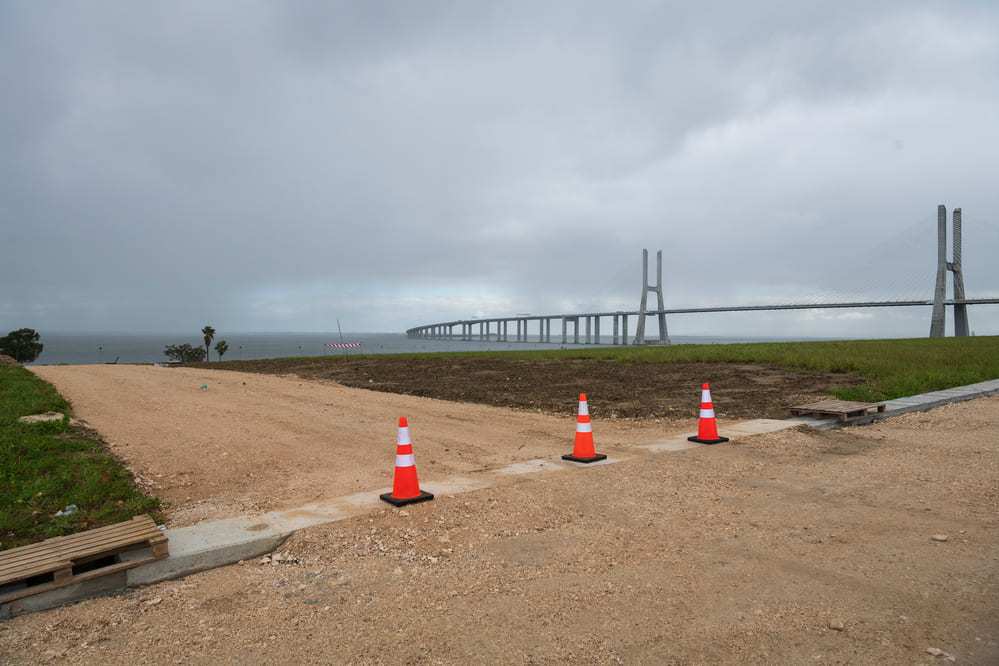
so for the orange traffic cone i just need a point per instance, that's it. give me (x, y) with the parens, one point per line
(707, 431)
(406, 487)
(582, 450)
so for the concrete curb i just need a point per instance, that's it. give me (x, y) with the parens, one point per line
(915, 403)
(210, 545)
(223, 542)
(926, 401)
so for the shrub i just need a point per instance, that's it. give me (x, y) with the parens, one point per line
(184, 353)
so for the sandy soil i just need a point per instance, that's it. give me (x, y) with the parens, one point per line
(214, 444)
(877, 544)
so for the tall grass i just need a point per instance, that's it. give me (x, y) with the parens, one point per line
(48, 466)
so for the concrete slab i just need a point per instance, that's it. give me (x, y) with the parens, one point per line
(733, 431)
(927, 401)
(596, 463)
(209, 545)
(531, 466)
(673, 444)
(756, 427)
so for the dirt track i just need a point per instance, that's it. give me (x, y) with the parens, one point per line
(795, 547)
(214, 444)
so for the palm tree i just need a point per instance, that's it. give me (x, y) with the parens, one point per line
(209, 336)
(221, 347)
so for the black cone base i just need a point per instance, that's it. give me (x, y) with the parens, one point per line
(708, 441)
(595, 458)
(402, 501)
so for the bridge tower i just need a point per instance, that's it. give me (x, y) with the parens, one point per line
(960, 309)
(940, 293)
(646, 288)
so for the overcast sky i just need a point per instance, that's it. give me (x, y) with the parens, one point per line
(279, 166)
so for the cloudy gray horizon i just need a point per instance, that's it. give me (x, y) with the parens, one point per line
(264, 166)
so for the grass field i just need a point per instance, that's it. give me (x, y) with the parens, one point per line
(894, 368)
(46, 467)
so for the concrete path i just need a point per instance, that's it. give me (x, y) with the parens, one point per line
(220, 543)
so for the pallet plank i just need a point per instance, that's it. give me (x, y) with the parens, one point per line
(56, 557)
(42, 554)
(844, 410)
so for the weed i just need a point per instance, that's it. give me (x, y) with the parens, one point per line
(48, 466)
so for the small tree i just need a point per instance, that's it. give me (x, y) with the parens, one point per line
(221, 347)
(184, 353)
(209, 334)
(22, 345)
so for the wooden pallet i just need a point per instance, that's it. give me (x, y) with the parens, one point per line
(70, 559)
(845, 411)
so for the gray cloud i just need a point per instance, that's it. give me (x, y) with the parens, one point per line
(275, 167)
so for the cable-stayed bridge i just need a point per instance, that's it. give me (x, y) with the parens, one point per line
(482, 329)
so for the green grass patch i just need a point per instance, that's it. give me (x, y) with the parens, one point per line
(894, 368)
(46, 467)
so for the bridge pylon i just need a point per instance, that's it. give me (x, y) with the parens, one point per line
(658, 289)
(938, 318)
(960, 309)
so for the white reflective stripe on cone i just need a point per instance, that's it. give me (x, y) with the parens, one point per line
(705, 395)
(584, 427)
(405, 460)
(583, 409)
(403, 436)
(707, 413)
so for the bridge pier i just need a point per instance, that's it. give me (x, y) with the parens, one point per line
(575, 330)
(620, 329)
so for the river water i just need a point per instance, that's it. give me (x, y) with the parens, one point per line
(84, 348)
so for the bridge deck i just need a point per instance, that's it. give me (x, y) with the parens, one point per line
(445, 330)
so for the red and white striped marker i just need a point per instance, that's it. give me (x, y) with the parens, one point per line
(405, 486)
(582, 450)
(707, 431)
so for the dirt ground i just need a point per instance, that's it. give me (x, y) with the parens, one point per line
(877, 544)
(213, 444)
(618, 390)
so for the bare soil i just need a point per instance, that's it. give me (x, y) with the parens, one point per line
(877, 544)
(617, 390)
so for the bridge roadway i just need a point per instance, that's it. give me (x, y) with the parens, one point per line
(446, 330)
